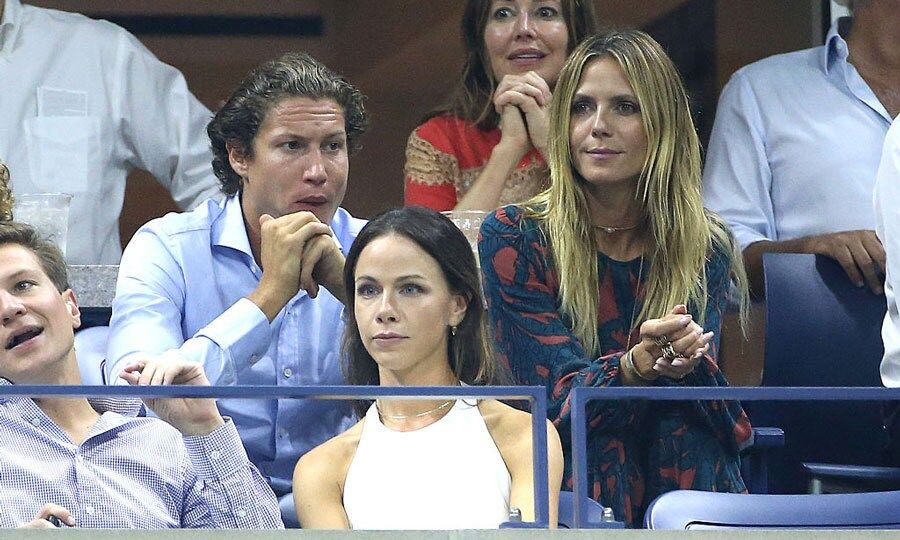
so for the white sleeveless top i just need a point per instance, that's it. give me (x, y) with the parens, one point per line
(447, 475)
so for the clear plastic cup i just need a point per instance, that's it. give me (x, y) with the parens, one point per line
(48, 213)
(469, 222)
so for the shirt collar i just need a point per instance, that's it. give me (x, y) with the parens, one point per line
(228, 228)
(835, 49)
(9, 26)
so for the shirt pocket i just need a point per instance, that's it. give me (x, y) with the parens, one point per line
(63, 152)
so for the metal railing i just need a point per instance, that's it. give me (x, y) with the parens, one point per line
(581, 396)
(535, 395)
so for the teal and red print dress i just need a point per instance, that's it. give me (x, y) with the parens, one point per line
(636, 449)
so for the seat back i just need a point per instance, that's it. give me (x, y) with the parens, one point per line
(566, 517)
(820, 331)
(687, 509)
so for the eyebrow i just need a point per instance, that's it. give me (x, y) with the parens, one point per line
(18, 274)
(400, 278)
(341, 133)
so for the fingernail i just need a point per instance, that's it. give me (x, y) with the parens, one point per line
(70, 521)
(685, 319)
(677, 362)
(656, 367)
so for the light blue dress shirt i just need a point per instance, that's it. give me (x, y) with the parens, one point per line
(181, 291)
(796, 145)
(129, 472)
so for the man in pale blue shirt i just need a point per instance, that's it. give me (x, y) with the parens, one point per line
(95, 464)
(796, 143)
(251, 287)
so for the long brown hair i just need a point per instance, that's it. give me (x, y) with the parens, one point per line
(469, 351)
(471, 99)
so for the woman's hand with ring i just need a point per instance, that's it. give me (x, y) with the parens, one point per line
(672, 345)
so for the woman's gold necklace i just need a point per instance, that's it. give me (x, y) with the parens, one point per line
(440, 407)
(611, 230)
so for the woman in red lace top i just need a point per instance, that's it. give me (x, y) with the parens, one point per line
(486, 147)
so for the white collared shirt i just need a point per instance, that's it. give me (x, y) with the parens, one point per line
(887, 214)
(82, 104)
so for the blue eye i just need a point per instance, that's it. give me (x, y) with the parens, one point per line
(411, 288)
(366, 290)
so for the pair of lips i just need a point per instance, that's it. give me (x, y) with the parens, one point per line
(388, 335)
(602, 151)
(23, 335)
(315, 200)
(526, 54)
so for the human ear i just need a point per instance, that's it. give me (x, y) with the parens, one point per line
(72, 307)
(237, 158)
(459, 303)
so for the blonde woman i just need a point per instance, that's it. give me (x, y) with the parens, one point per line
(6, 200)
(616, 275)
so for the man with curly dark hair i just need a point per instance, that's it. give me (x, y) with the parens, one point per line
(251, 287)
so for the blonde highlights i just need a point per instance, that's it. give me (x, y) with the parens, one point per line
(680, 232)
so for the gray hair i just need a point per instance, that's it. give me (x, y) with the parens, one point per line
(293, 74)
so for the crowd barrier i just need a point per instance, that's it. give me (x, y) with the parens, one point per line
(580, 397)
(535, 395)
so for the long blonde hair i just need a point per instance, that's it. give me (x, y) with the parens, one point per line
(681, 232)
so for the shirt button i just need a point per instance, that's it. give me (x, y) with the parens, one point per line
(36, 421)
(89, 510)
(215, 454)
(283, 433)
(241, 512)
(288, 372)
(254, 358)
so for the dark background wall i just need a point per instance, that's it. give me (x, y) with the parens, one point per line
(405, 55)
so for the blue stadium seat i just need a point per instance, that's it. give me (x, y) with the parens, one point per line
(697, 510)
(822, 331)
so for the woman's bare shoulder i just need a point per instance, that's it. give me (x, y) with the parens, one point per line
(506, 424)
(331, 459)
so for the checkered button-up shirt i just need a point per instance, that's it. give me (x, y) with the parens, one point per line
(130, 472)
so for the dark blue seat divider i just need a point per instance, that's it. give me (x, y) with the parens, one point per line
(821, 330)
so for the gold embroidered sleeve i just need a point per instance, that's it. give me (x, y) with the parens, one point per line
(427, 165)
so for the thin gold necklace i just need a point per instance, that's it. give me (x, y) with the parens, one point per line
(440, 407)
(611, 230)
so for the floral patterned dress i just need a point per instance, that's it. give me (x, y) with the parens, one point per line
(445, 155)
(637, 450)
